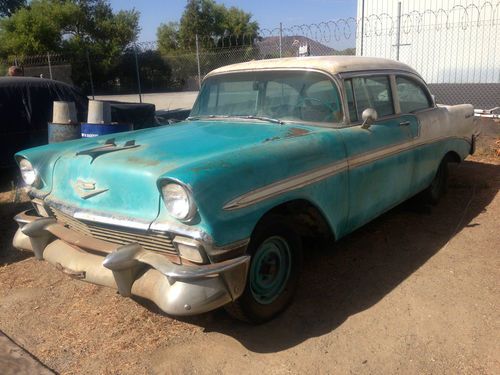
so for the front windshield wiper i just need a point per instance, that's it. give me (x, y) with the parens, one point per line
(194, 118)
(262, 118)
(249, 117)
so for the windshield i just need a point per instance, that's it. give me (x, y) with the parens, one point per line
(302, 96)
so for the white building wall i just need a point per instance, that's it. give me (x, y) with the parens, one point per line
(447, 41)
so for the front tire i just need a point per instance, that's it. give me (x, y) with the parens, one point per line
(276, 252)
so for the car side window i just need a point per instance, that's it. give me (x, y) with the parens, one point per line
(412, 96)
(373, 92)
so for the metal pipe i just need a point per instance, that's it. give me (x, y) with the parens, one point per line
(198, 62)
(281, 38)
(362, 26)
(50, 65)
(90, 74)
(398, 32)
(137, 72)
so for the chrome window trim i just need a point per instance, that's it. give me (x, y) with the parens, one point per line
(395, 94)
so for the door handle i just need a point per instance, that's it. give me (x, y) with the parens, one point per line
(404, 123)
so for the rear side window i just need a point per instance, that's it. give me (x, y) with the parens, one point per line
(370, 92)
(412, 96)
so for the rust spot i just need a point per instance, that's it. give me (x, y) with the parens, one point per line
(211, 165)
(144, 162)
(296, 132)
(291, 133)
(271, 139)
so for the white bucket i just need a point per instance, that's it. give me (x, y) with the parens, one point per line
(64, 113)
(99, 112)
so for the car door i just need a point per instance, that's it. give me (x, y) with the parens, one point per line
(379, 157)
(416, 104)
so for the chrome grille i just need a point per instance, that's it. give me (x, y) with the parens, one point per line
(150, 241)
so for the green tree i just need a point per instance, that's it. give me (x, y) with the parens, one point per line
(36, 29)
(216, 27)
(74, 28)
(7, 7)
(214, 24)
(167, 36)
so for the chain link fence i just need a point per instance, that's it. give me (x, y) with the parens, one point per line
(456, 50)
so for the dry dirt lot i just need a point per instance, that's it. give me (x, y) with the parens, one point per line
(415, 292)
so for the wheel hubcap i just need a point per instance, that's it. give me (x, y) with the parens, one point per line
(270, 269)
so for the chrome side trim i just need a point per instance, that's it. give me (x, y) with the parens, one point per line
(301, 180)
(291, 183)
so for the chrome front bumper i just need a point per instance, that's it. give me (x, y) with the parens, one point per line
(176, 289)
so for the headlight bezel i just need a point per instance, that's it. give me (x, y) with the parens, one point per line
(191, 209)
(25, 167)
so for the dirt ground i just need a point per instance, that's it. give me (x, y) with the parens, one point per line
(415, 292)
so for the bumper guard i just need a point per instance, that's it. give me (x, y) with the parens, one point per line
(176, 289)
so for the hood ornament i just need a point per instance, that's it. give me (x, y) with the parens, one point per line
(107, 147)
(86, 189)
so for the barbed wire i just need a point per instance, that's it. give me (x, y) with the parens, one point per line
(327, 32)
(381, 24)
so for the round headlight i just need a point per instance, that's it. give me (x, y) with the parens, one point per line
(28, 173)
(178, 201)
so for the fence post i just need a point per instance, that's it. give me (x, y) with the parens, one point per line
(198, 61)
(281, 38)
(90, 74)
(137, 72)
(398, 32)
(362, 26)
(50, 65)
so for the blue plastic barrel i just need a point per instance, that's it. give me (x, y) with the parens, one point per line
(63, 132)
(95, 130)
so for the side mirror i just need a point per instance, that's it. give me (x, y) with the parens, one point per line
(369, 116)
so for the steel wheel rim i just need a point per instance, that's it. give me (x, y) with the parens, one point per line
(270, 270)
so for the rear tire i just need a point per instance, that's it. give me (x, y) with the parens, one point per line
(276, 252)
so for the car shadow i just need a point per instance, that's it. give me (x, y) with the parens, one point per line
(352, 275)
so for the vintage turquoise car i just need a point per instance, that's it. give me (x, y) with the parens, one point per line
(212, 211)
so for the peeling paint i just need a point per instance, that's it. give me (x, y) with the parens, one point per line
(296, 132)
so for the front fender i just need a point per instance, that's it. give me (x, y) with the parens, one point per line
(217, 181)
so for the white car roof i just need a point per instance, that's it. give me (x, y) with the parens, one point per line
(329, 64)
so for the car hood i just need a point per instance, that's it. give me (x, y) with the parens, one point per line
(120, 178)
